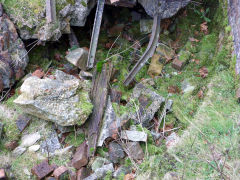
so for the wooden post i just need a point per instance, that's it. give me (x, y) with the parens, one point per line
(51, 11)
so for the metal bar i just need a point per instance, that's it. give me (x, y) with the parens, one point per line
(149, 52)
(95, 33)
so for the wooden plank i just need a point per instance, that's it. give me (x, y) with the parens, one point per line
(51, 11)
(99, 96)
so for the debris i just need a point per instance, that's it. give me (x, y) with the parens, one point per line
(51, 11)
(80, 157)
(56, 100)
(172, 140)
(100, 97)
(109, 124)
(18, 151)
(34, 148)
(42, 170)
(61, 173)
(116, 152)
(134, 135)
(22, 122)
(3, 175)
(83, 173)
(101, 172)
(203, 72)
(11, 145)
(78, 57)
(50, 144)
(98, 163)
(134, 150)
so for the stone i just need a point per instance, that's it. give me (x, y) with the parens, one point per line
(146, 101)
(30, 139)
(122, 170)
(11, 145)
(165, 51)
(187, 87)
(172, 140)
(80, 158)
(34, 148)
(177, 64)
(42, 170)
(98, 163)
(134, 135)
(134, 150)
(83, 173)
(101, 172)
(61, 173)
(156, 66)
(50, 144)
(64, 100)
(18, 151)
(116, 152)
(109, 125)
(146, 26)
(3, 175)
(22, 122)
(85, 75)
(78, 57)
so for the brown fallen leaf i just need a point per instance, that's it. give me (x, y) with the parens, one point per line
(39, 73)
(203, 72)
(204, 28)
(173, 89)
(193, 39)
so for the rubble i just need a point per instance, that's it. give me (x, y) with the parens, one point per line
(22, 122)
(78, 57)
(50, 144)
(18, 151)
(80, 157)
(34, 148)
(116, 152)
(134, 135)
(134, 150)
(98, 163)
(42, 170)
(121, 170)
(30, 139)
(101, 172)
(83, 173)
(61, 173)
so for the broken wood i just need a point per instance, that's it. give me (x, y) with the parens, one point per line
(99, 96)
(51, 11)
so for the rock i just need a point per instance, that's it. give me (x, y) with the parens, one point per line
(61, 173)
(122, 170)
(13, 55)
(156, 66)
(110, 124)
(83, 173)
(177, 64)
(172, 140)
(187, 87)
(3, 175)
(80, 158)
(134, 150)
(78, 57)
(11, 145)
(85, 75)
(30, 139)
(98, 163)
(63, 100)
(149, 103)
(116, 152)
(19, 151)
(34, 148)
(134, 135)
(51, 144)
(42, 170)
(166, 52)
(171, 176)
(101, 172)
(146, 26)
(22, 122)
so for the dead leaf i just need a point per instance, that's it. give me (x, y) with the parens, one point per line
(204, 28)
(203, 72)
(200, 94)
(193, 39)
(38, 73)
(173, 89)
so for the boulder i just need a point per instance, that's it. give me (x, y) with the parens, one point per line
(80, 157)
(13, 55)
(63, 100)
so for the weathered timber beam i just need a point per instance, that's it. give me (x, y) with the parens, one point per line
(99, 96)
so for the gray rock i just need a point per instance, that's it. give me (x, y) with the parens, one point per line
(122, 170)
(134, 135)
(18, 151)
(34, 148)
(187, 87)
(116, 152)
(134, 150)
(101, 172)
(30, 139)
(78, 57)
(85, 75)
(64, 100)
(51, 144)
(98, 163)
(22, 122)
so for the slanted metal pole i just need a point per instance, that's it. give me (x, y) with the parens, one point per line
(95, 33)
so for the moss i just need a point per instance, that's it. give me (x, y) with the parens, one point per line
(184, 56)
(75, 140)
